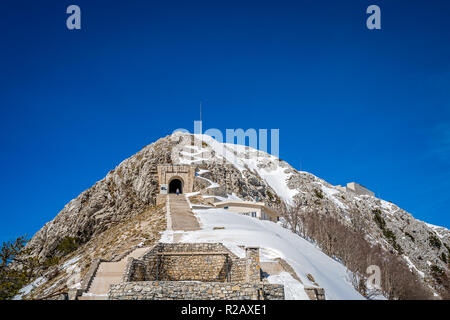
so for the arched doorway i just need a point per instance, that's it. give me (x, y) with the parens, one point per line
(174, 185)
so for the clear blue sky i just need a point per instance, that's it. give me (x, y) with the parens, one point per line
(351, 104)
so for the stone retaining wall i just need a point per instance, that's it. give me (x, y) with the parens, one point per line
(194, 271)
(208, 262)
(190, 267)
(174, 290)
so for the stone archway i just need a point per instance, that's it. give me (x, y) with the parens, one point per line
(175, 184)
(169, 172)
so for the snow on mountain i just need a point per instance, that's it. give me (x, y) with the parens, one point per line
(274, 242)
(227, 171)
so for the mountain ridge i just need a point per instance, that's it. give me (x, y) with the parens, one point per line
(131, 188)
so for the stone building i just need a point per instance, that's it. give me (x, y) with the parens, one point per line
(356, 188)
(197, 271)
(254, 209)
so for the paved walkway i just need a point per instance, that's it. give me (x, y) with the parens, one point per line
(182, 217)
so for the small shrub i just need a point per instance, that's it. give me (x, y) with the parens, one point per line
(397, 247)
(310, 277)
(389, 234)
(443, 257)
(376, 211)
(434, 241)
(392, 239)
(318, 193)
(448, 247)
(68, 245)
(436, 272)
(410, 236)
(52, 261)
(379, 219)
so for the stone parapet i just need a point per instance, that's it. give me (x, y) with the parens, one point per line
(175, 290)
(194, 262)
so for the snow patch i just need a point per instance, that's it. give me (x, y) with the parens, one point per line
(293, 290)
(275, 242)
(211, 183)
(436, 229)
(70, 262)
(330, 194)
(412, 266)
(28, 288)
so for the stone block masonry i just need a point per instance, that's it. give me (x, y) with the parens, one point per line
(253, 269)
(194, 262)
(194, 271)
(175, 290)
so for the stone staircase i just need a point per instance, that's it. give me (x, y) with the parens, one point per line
(182, 217)
(109, 273)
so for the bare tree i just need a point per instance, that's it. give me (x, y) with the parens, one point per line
(347, 244)
(291, 214)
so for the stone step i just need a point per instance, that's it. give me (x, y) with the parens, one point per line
(181, 214)
(109, 273)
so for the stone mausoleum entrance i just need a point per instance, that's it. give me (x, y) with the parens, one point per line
(174, 185)
(172, 176)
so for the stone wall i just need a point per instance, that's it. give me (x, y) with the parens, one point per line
(182, 267)
(173, 290)
(253, 269)
(211, 262)
(194, 271)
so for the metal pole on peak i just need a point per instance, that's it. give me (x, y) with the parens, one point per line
(200, 111)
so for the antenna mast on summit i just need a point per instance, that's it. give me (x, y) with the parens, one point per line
(200, 111)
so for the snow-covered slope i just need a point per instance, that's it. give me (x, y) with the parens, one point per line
(274, 242)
